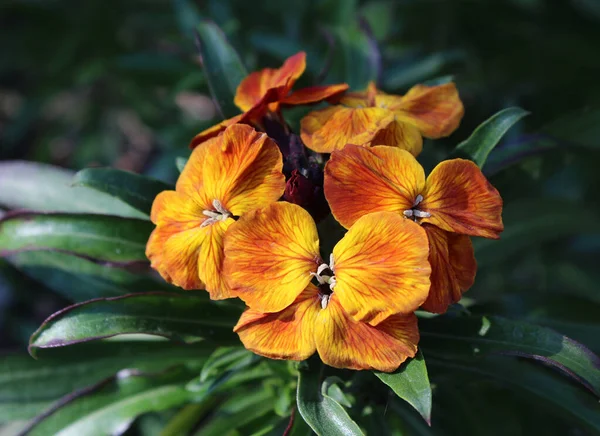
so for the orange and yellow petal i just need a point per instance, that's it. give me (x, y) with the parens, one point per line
(177, 211)
(381, 267)
(269, 255)
(365, 98)
(360, 180)
(435, 110)
(314, 94)
(453, 268)
(213, 131)
(210, 260)
(243, 170)
(288, 334)
(253, 88)
(332, 128)
(460, 199)
(401, 135)
(345, 343)
(175, 255)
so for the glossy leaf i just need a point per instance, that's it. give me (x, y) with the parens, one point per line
(133, 189)
(226, 359)
(40, 187)
(411, 383)
(323, 414)
(175, 316)
(107, 238)
(485, 137)
(481, 335)
(221, 65)
(28, 386)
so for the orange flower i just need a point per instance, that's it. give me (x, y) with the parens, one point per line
(373, 117)
(454, 201)
(265, 90)
(379, 268)
(228, 176)
(316, 322)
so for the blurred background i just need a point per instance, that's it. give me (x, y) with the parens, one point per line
(119, 83)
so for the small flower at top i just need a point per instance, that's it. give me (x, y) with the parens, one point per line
(224, 178)
(372, 117)
(359, 312)
(456, 201)
(266, 90)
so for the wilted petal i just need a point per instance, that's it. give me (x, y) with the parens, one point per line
(453, 268)
(314, 94)
(381, 267)
(435, 110)
(360, 180)
(269, 255)
(345, 343)
(460, 199)
(332, 128)
(288, 334)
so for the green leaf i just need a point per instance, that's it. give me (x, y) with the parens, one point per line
(485, 137)
(175, 316)
(100, 237)
(222, 66)
(180, 163)
(28, 386)
(480, 335)
(323, 414)
(40, 187)
(226, 359)
(411, 383)
(80, 279)
(137, 191)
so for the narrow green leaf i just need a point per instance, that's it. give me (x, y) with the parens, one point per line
(133, 189)
(485, 137)
(323, 414)
(28, 386)
(479, 335)
(226, 359)
(411, 383)
(101, 237)
(45, 188)
(222, 66)
(179, 317)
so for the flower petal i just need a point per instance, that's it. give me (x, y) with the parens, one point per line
(332, 128)
(314, 94)
(435, 110)
(213, 131)
(210, 261)
(401, 135)
(254, 87)
(345, 343)
(361, 180)
(453, 268)
(381, 267)
(288, 334)
(243, 170)
(460, 199)
(269, 255)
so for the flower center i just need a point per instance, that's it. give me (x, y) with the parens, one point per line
(219, 213)
(325, 276)
(414, 212)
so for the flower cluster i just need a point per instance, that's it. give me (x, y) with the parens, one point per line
(241, 221)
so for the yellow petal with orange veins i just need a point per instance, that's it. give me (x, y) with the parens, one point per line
(345, 343)
(314, 94)
(365, 98)
(175, 255)
(360, 180)
(401, 135)
(243, 170)
(453, 268)
(213, 131)
(210, 261)
(332, 128)
(288, 334)
(177, 211)
(435, 110)
(381, 267)
(269, 255)
(191, 179)
(253, 88)
(460, 199)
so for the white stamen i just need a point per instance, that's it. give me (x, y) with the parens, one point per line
(322, 268)
(408, 213)
(331, 262)
(216, 215)
(418, 200)
(421, 214)
(325, 301)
